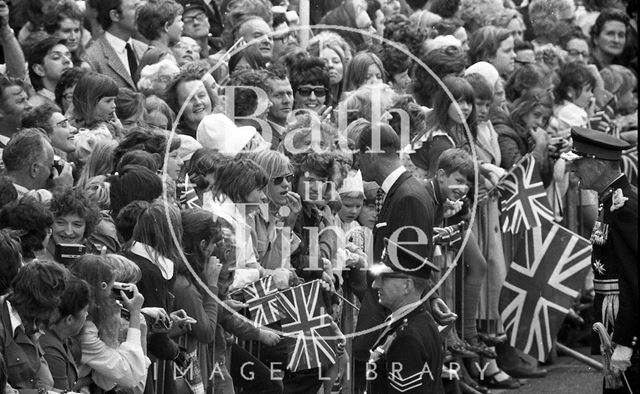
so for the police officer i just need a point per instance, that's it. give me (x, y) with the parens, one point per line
(596, 162)
(407, 356)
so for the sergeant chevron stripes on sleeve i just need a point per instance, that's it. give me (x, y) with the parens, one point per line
(401, 384)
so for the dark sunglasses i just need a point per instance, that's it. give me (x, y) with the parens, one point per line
(306, 92)
(279, 179)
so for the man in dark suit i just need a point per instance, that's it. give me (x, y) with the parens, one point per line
(596, 162)
(115, 53)
(405, 217)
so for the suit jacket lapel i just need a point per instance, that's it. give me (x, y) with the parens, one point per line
(139, 48)
(387, 199)
(114, 61)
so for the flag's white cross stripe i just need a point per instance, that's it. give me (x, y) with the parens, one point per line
(524, 201)
(303, 317)
(569, 263)
(253, 291)
(260, 315)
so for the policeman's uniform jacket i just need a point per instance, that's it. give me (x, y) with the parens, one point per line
(407, 356)
(408, 203)
(615, 263)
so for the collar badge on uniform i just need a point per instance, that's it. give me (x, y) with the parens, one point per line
(618, 200)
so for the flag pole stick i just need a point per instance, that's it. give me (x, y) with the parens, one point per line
(579, 356)
(347, 301)
(523, 158)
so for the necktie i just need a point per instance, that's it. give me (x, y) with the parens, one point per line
(379, 199)
(133, 63)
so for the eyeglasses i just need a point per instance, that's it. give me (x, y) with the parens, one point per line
(279, 179)
(287, 37)
(306, 92)
(198, 17)
(576, 53)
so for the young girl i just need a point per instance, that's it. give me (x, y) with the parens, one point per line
(365, 68)
(106, 363)
(207, 251)
(573, 94)
(155, 247)
(93, 112)
(240, 184)
(574, 106)
(446, 125)
(487, 221)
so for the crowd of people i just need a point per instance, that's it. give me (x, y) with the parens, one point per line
(159, 155)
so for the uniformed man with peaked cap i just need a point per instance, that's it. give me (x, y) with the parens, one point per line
(407, 356)
(595, 160)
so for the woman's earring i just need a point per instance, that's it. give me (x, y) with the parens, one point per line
(103, 285)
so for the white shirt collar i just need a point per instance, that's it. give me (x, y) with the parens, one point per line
(164, 264)
(392, 178)
(14, 318)
(116, 43)
(20, 189)
(4, 139)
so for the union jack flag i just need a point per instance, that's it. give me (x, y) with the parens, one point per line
(548, 269)
(523, 197)
(630, 165)
(308, 324)
(260, 288)
(187, 194)
(265, 305)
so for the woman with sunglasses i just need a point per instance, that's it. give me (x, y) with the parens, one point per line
(284, 206)
(311, 84)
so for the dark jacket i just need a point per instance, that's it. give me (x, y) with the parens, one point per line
(61, 357)
(23, 356)
(415, 355)
(617, 260)
(516, 142)
(157, 292)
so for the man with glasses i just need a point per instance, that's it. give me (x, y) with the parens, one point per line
(202, 22)
(283, 37)
(29, 161)
(577, 47)
(49, 118)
